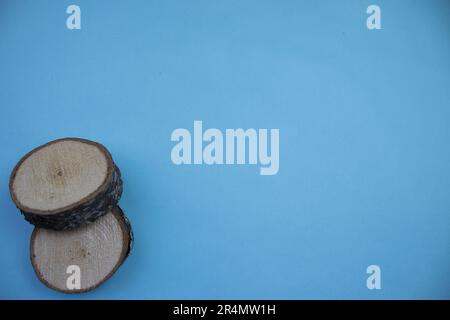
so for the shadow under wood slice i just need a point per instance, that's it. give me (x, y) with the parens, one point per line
(93, 253)
(65, 184)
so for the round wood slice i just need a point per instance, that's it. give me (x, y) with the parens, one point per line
(65, 183)
(98, 249)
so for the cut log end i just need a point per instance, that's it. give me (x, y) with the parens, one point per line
(80, 260)
(65, 183)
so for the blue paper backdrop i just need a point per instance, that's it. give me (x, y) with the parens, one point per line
(364, 125)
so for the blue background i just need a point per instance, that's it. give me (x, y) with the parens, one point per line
(364, 125)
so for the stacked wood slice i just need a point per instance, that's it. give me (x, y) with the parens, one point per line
(69, 189)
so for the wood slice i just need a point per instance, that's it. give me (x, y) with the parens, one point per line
(65, 183)
(98, 249)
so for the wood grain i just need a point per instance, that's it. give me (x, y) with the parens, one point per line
(59, 175)
(98, 249)
(65, 183)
